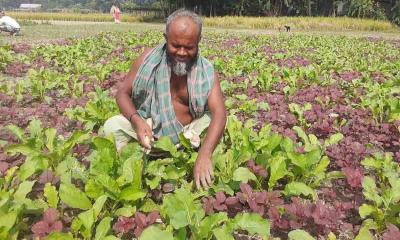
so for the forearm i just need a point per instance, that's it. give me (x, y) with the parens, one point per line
(214, 133)
(125, 104)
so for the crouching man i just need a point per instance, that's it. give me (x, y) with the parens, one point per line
(8, 24)
(172, 89)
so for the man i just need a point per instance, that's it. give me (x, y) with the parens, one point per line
(8, 24)
(171, 89)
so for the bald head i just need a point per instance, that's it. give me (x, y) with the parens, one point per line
(184, 22)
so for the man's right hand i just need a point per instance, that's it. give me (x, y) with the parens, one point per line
(143, 131)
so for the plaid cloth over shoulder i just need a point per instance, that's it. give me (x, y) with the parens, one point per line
(151, 92)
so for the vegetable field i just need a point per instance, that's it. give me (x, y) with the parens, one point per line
(311, 148)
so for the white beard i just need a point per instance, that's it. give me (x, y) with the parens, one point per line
(179, 68)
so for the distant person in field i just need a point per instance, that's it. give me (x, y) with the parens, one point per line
(8, 24)
(116, 13)
(169, 90)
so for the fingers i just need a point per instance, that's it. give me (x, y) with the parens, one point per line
(203, 178)
(148, 132)
(208, 178)
(144, 139)
(197, 180)
(211, 172)
(204, 181)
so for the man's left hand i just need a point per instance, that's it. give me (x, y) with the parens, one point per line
(203, 172)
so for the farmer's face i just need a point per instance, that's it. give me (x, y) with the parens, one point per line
(182, 45)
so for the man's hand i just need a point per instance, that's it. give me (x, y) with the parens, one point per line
(203, 171)
(143, 131)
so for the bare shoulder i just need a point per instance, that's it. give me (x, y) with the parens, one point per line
(126, 85)
(142, 56)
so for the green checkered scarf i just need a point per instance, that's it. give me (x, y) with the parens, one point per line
(151, 92)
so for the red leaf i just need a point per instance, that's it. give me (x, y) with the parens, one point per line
(152, 217)
(41, 228)
(138, 231)
(140, 220)
(124, 225)
(391, 233)
(56, 227)
(230, 201)
(354, 177)
(220, 197)
(51, 215)
(246, 189)
(261, 197)
(208, 205)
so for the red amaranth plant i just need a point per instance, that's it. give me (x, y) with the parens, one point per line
(48, 224)
(135, 224)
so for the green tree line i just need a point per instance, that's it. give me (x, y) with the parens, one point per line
(377, 9)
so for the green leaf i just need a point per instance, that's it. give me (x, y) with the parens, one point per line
(273, 141)
(132, 170)
(59, 236)
(299, 234)
(223, 233)
(366, 210)
(370, 191)
(253, 223)
(8, 220)
(77, 137)
(331, 236)
(50, 138)
(182, 209)
(277, 170)
(74, 197)
(300, 132)
(23, 189)
(364, 234)
(222, 187)
(103, 228)
(93, 190)
(18, 132)
(132, 194)
(27, 149)
(89, 217)
(133, 149)
(149, 206)
(153, 183)
(31, 165)
(51, 195)
(98, 205)
(110, 185)
(166, 144)
(242, 174)
(299, 188)
(211, 222)
(185, 142)
(35, 128)
(333, 139)
(154, 232)
(127, 211)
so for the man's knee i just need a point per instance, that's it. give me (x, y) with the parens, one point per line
(112, 125)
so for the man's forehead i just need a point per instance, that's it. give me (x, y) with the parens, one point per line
(183, 25)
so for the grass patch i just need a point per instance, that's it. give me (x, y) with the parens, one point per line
(38, 33)
(302, 23)
(275, 23)
(89, 17)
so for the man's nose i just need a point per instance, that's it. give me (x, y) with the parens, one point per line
(182, 52)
